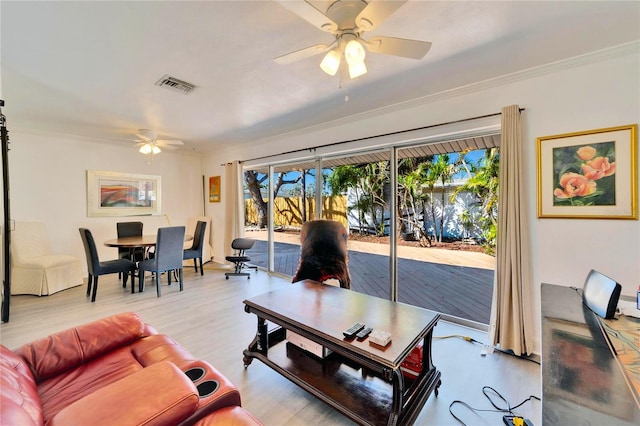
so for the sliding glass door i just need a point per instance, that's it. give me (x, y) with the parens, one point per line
(359, 191)
(420, 218)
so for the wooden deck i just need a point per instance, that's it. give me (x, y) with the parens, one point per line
(452, 282)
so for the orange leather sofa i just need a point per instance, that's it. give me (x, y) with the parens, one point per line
(114, 371)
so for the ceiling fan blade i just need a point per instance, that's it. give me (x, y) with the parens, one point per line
(376, 12)
(302, 53)
(165, 142)
(143, 138)
(310, 14)
(146, 134)
(169, 147)
(414, 49)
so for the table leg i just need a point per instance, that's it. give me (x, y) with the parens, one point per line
(259, 344)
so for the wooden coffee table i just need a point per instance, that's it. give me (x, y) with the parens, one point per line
(362, 381)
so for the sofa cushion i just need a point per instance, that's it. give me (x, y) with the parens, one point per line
(68, 349)
(158, 395)
(58, 392)
(19, 400)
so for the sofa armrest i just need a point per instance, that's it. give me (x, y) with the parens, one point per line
(62, 351)
(160, 394)
(229, 416)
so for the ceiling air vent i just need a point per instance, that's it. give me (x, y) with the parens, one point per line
(175, 84)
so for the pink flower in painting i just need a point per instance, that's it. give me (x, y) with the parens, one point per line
(598, 168)
(574, 184)
(586, 153)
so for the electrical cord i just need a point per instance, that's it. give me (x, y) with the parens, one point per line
(459, 336)
(496, 408)
(472, 340)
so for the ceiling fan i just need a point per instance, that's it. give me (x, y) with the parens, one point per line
(347, 20)
(150, 144)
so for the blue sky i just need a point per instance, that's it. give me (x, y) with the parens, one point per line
(472, 158)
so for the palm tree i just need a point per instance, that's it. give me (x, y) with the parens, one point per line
(342, 179)
(440, 170)
(369, 182)
(484, 185)
(412, 200)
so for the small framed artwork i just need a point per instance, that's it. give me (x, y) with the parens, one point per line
(214, 189)
(589, 175)
(122, 194)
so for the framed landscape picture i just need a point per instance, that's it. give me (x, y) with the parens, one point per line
(589, 175)
(122, 194)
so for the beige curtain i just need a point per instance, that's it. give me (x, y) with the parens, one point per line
(234, 205)
(511, 327)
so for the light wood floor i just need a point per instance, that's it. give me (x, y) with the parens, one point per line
(208, 318)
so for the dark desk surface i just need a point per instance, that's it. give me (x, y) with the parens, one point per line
(584, 381)
(330, 310)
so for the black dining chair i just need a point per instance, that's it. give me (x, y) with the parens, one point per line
(195, 252)
(130, 229)
(168, 256)
(97, 268)
(239, 258)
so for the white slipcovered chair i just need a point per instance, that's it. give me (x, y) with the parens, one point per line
(35, 269)
(207, 250)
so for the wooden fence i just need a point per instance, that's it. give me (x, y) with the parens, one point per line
(288, 210)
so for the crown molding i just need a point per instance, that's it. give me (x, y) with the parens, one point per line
(624, 49)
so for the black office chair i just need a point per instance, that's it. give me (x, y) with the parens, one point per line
(97, 268)
(195, 252)
(168, 256)
(240, 245)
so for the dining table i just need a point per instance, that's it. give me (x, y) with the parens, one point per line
(139, 241)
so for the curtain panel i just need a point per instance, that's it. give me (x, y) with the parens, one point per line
(511, 325)
(234, 205)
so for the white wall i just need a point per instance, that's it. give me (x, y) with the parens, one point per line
(48, 184)
(595, 91)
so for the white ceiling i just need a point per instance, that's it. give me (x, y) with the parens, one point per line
(88, 68)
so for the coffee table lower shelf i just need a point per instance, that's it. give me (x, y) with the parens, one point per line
(356, 391)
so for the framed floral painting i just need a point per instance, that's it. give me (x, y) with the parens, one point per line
(589, 175)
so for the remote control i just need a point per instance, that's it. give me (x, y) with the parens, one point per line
(362, 334)
(353, 330)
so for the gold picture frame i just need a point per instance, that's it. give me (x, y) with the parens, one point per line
(589, 175)
(122, 194)
(214, 189)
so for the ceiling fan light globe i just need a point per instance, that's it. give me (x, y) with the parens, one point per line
(356, 70)
(156, 150)
(145, 149)
(331, 62)
(354, 52)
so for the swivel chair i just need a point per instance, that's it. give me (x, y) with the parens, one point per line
(239, 258)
